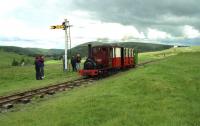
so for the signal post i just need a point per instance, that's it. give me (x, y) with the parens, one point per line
(65, 26)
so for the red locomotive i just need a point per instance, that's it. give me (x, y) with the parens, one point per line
(105, 59)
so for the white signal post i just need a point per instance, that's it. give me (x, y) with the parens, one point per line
(66, 44)
(65, 25)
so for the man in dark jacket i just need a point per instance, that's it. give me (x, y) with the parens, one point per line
(37, 68)
(78, 61)
(42, 66)
(73, 63)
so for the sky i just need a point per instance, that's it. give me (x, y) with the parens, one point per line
(26, 23)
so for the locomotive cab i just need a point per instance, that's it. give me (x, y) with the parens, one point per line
(99, 59)
(102, 56)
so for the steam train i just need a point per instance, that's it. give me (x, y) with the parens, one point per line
(106, 59)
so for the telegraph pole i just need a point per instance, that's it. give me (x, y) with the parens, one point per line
(65, 26)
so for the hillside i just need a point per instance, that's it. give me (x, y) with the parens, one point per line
(163, 93)
(56, 53)
(141, 47)
(32, 51)
(7, 58)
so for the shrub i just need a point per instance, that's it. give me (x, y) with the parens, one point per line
(15, 62)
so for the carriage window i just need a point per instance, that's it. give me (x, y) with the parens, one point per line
(128, 52)
(111, 53)
(117, 52)
(132, 52)
(124, 52)
(114, 52)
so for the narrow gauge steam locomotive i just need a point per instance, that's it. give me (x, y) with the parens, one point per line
(105, 59)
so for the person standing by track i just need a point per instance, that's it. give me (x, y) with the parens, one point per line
(42, 66)
(37, 68)
(78, 61)
(73, 63)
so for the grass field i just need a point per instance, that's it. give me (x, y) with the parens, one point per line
(166, 53)
(165, 93)
(7, 58)
(17, 78)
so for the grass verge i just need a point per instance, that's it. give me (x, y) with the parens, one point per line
(164, 93)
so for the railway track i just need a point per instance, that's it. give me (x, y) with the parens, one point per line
(7, 102)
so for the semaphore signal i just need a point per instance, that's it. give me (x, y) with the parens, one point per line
(65, 26)
(58, 27)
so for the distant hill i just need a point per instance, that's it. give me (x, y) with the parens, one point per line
(82, 49)
(141, 47)
(32, 51)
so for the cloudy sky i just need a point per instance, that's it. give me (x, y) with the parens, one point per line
(26, 23)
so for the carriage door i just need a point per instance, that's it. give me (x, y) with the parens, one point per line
(110, 56)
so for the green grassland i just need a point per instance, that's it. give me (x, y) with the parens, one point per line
(164, 93)
(15, 79)
(7, 58)
(18, 78)
(166, 53)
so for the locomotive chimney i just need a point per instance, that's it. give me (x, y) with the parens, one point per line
(89, 50)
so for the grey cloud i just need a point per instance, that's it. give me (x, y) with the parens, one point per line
(165, 15)
(186, 42)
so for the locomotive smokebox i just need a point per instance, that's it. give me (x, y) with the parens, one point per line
(89, 50)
